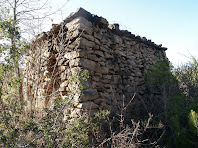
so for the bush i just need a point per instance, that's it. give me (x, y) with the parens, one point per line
(184, 107)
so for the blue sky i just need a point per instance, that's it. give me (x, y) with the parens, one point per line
(172, 23)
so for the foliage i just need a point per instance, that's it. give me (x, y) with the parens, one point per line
(160, 74)
(180, 110)
(178, 116)
(188, 76)
(183, 121)
(12, 49)
(11, 107)
(12, 45)
(193, 121)
(79, 129)
(184, 107)
(54, 130)
(6, 25)
(160, 78)
(78, 79)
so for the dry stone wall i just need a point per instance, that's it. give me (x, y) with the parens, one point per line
(117, 62)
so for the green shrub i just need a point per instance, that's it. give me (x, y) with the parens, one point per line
(184, 107)
(193, 122)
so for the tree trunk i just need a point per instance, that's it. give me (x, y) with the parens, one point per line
(14, 50)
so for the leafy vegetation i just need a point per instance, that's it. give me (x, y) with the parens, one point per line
(160, 76)
(184, 107)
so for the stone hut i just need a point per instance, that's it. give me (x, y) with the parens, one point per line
(117, 62)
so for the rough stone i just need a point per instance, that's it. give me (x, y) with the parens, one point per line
(102, 70)
(79, 20)
(88, 37)
(102, 22)
(117, 62)
(84, 63)
(75, 54)
(108, 56)
(99, 53)
(98, 86)
(88, 95)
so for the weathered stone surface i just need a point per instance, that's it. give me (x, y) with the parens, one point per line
(120, 53)
(132, 63)
(117, 62)
(98, 86)
(108, 56)
(93, 57)
(84, 42)
(99, 101)
(102, 70)
(84, 63)
(107, 77)
(138, 74)
(99, 53)
(117, 39)
(101, 22)
(88, 37)
(79, 20)
(88, 95)
(75, 54)
(97, 35)
(80, 27)
(97, 42)
(95, 78)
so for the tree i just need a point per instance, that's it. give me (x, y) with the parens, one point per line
(160, 75)
(184, 106)
(12, 48)
(16, 22)
(187, 75)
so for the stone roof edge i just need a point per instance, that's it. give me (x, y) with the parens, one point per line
(95, 19)
(102, 23)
